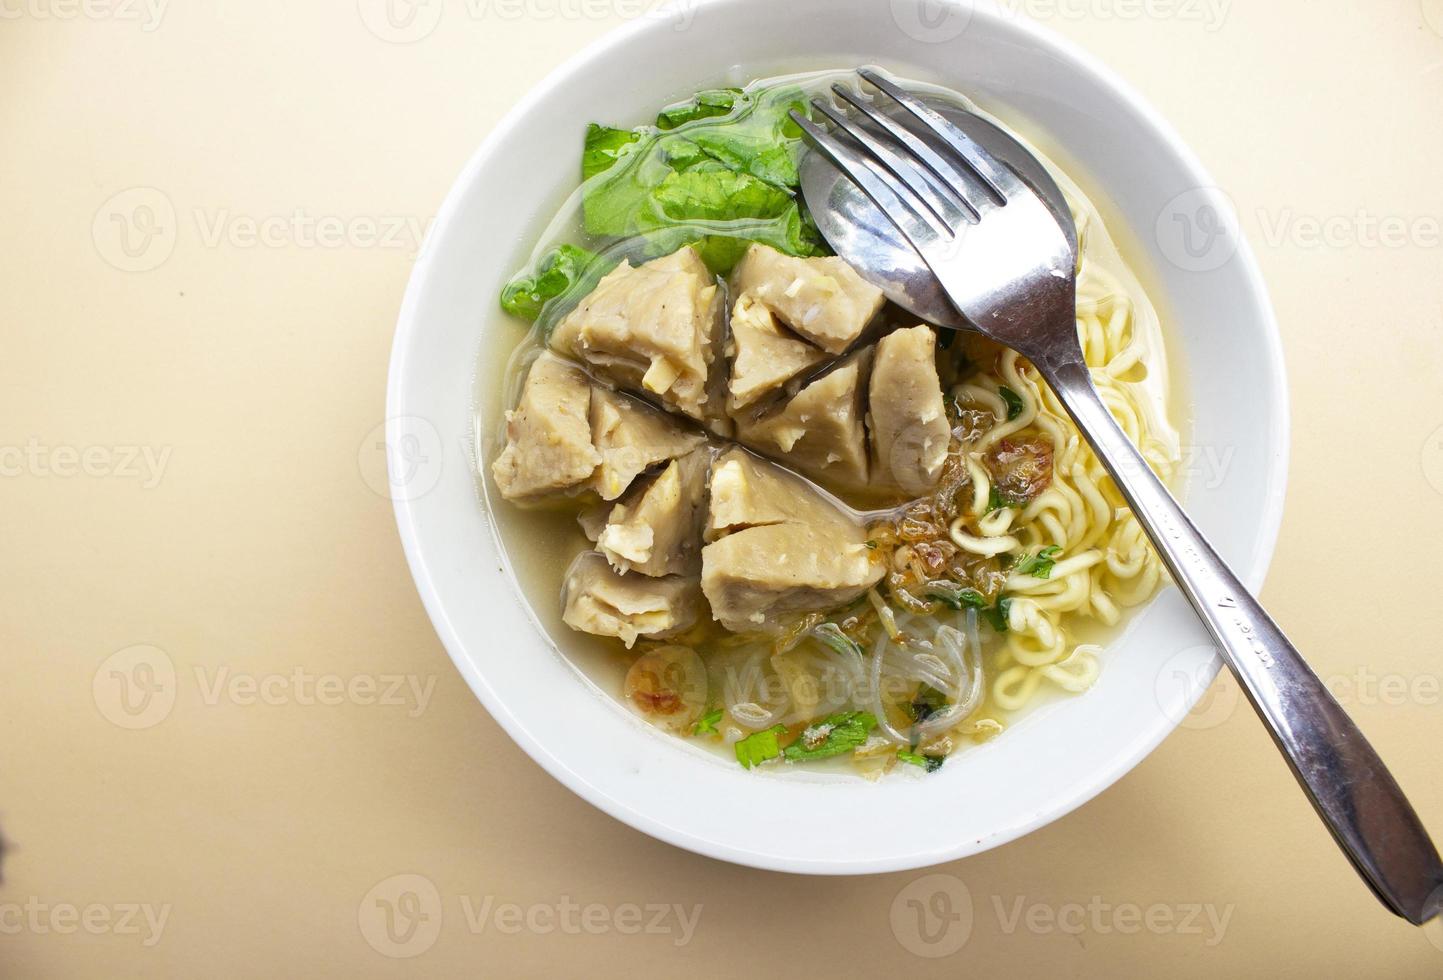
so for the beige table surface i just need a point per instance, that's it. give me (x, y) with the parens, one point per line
(187, 437)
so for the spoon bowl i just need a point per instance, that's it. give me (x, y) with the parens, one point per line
(859, 232)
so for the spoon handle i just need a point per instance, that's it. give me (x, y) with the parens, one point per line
(1348, 784)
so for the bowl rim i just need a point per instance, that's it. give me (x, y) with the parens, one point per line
(1276, 443)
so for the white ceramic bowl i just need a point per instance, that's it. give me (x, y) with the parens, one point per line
(1157, 198)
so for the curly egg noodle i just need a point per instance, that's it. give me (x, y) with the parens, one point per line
(1107, 564)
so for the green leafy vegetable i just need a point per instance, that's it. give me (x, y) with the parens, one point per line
(929, 762)
(703, 105)
(832, 636)
(603, 147)
(997, 615)
(724, 180)
(994, 500)
(1040, 564)
(706, 724)
(955, 596)
(758, 747)
(837, 734)
(1013, 400)
(558, 271)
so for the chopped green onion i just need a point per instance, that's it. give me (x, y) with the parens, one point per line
(954, 596)
(927, 702)
(758, 747)
(1040, 564)
(997, 615)
(931, 763)
(706, 724)
(835, 735)
(1013, 400)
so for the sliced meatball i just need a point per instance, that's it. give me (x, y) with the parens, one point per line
(653, 328)
(822, 299)
(656, 529)
(597, 599)
(758, 577)
(778, 547)
(820, 430)
(906, 416)
(765, 355)
(750, 492)
(631, 436)
(548, 435)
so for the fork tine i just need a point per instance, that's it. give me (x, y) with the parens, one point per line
(950, 177)
(918, 227)
(926, 192)
(1001, 180)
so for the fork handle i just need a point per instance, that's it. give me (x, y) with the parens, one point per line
(1348, 784)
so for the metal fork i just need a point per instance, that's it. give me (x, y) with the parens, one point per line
(1004, 261)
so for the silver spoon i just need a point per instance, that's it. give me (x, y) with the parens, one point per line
(929, 211)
